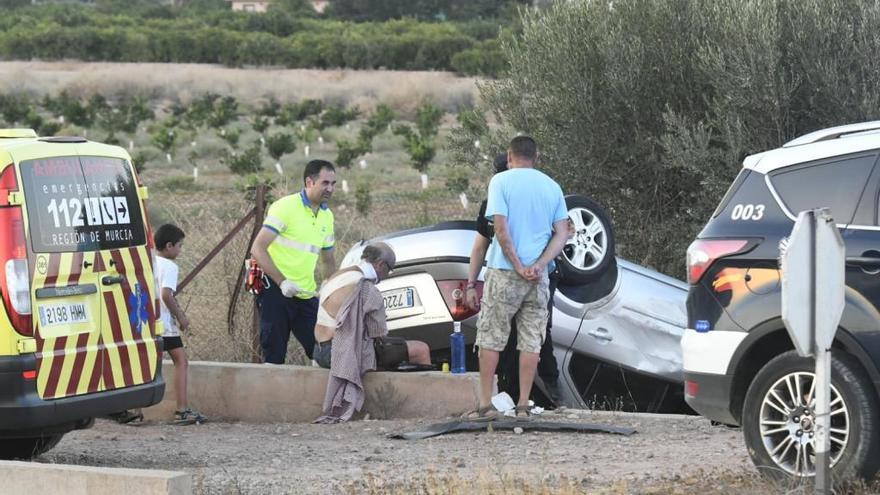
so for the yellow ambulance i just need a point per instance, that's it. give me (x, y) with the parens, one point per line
(79, 333)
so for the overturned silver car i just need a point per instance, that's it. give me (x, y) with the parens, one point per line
(616, 325)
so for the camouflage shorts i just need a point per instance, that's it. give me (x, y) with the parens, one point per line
(506, 296)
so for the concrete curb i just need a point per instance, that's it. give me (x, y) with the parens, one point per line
(260, 393)
(27, 478)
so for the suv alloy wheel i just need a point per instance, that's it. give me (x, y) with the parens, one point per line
(779, 419)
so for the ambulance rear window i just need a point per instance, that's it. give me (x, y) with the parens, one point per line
(83, 203)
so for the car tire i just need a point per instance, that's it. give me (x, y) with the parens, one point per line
(588, 254)
(857, 458)
(27, 448)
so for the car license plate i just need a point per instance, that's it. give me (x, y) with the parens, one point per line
(63, 314)
(398, 298)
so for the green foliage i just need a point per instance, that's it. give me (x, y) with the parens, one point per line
(164, 137)
(296, 7)
(420, 148)
(230, 136)
(363, 200)
(185, 35)
(73, 110)
(650, 107)
(380, 10)
(347, 152)
(249, 188)
(260, 124)
(269, 108)
(140, 160)
(178, 183)
(337, 115)
(247, 162)
(279, 145)
(428, 118)
(419, 142)
(291, 113)
(485, 59)
(224, 111)
(375, 125)
(377, 122)
(14, 108)
(458, 180)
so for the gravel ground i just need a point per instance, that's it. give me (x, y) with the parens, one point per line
(357, 456)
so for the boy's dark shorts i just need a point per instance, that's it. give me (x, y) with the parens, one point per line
(171, 343)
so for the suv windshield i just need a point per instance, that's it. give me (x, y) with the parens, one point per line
(81, 204)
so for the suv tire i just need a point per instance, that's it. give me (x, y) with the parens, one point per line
(858, 459)
(595, 233)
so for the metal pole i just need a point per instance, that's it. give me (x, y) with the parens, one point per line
(260, 210)
(821, 441)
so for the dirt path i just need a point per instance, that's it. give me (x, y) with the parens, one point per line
(358, 457)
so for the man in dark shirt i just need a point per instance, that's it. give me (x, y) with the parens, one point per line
(508, 368)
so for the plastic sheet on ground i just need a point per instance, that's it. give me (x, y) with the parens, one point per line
(509, 424)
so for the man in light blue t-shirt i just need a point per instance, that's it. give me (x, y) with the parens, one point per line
(531, 229)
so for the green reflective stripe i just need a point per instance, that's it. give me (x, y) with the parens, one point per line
(299, 246)
(274, 222)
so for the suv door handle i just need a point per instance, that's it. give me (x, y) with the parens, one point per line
(863, 260)
(600, 334)
(112, 279)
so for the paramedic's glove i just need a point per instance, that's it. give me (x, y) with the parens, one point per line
(290, 289)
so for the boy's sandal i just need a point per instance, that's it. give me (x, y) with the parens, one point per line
(523, 413)
(487, 413)
(127, 417)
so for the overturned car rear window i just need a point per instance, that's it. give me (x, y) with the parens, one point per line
(84, 203)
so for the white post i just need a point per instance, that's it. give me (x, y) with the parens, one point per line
(168, 157)
(424, 181)
(306, 150)
(345, 186)
(278, 168)
(195, 173)
(130, 145)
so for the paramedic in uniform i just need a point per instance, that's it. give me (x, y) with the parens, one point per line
(298, 230)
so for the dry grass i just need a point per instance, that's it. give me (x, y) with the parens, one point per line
(183, 82)
(491, 483)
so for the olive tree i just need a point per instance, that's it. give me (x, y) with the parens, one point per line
(649, 106)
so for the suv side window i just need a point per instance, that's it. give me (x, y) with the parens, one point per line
(835, 184)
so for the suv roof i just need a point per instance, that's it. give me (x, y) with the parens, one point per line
(816, 145)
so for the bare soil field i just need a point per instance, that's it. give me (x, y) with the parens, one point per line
(671, 454)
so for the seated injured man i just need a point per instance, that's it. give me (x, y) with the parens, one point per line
(351, 313)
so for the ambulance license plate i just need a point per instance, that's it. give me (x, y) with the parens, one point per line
(63, 314)
(398, 298)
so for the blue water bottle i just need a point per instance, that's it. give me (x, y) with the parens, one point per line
(456, 344)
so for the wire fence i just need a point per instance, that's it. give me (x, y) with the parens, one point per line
(207, 217)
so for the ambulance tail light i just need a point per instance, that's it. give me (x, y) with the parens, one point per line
(453, 292)
(15, 285)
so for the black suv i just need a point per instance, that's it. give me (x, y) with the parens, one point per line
(739, 364)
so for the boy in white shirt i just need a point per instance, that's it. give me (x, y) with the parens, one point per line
(169, 244)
